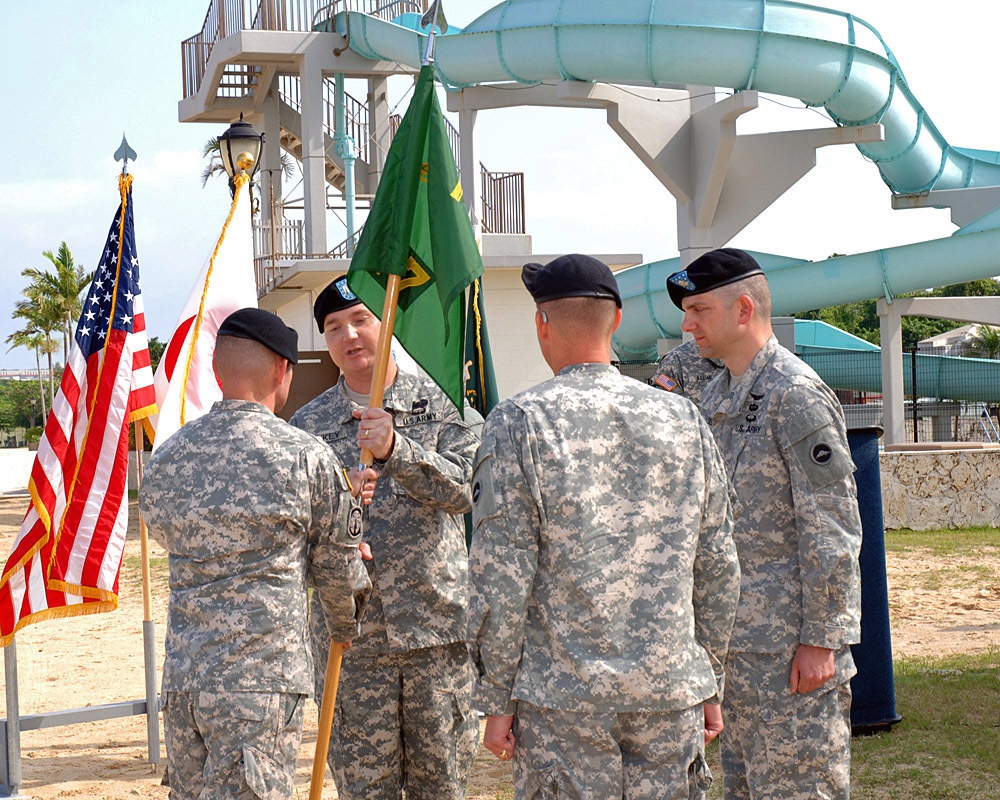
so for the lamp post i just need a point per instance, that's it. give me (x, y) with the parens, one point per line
(239, 148)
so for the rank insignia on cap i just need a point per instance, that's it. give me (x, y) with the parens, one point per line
(344, 289)
(665, 382)
(682, 280)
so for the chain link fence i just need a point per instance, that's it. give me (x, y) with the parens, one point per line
(952, 393)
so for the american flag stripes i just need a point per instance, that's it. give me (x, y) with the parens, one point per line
(67, 556)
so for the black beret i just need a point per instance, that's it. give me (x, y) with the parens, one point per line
(572, 275)
(264, 327)
(710, 271)
(335, 297)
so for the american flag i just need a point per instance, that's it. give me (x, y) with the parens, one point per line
(68, 554)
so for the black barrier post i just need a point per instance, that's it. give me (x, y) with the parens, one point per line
(873, 707)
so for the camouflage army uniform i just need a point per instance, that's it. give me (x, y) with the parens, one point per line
(245, 505)
(604, 584)
(798, 532)
(683, 371)
(404, 716)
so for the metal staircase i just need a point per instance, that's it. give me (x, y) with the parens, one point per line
(246, 66)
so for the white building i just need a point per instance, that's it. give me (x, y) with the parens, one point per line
(286, 79)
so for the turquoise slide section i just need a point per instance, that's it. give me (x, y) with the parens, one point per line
(825, 58)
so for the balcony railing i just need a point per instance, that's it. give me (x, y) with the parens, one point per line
(503, 201)
(225, 17)
(282, 241)
(355, 113)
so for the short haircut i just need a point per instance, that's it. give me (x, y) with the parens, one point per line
(583, 317)
(243, 360)
(755, 287)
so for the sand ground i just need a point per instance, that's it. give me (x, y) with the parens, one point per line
(937, 606)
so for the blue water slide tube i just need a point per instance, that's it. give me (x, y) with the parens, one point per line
(825, 58)
(648, 313)
(822, 57)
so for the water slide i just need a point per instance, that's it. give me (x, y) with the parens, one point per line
(822, 57)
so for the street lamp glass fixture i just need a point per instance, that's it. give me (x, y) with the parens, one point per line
(239, 148)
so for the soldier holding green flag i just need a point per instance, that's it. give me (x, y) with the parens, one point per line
(409, 722)
(403, 717)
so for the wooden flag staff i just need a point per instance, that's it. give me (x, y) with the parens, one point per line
(336, 656)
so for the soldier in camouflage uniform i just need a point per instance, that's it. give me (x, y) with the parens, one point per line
(683, 371)
(798, 532)
(404, 718)
(246, 505)
(604, 574)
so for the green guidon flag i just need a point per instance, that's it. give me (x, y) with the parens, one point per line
(480, 382)
(419, 229)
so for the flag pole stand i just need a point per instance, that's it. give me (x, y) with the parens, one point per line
(148, 625)
(10, 766)
(382, 354)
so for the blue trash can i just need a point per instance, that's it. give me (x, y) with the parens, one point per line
(873, 707)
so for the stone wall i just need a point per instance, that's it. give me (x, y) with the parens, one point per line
(941, 488)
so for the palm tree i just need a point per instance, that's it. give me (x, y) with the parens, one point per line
(986, 343)
(214, 166)
(41, 318)
(30, 339)
(43, 312)
(62, 289)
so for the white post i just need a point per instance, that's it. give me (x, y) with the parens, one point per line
(893, 396)
(11, 777)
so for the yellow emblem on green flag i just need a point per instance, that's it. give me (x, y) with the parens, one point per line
(419, 229)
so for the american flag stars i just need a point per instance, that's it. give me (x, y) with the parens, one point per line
(112, 293)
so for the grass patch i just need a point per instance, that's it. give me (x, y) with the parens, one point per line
(964, 576)
(159, 569)
(948, 745)
(951, 542)
(946, 748)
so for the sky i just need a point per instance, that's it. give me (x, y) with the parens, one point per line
(76, 75)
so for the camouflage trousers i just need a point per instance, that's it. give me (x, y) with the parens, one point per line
(240, 745)
(642, 755)
(403, 722)
(780, 746)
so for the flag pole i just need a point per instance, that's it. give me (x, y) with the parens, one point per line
(375, 398)
(336, 656)
(125, 154)
(148, 624)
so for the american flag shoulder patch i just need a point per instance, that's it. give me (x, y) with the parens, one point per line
(665, 382)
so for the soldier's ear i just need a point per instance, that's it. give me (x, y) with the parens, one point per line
(746, 308)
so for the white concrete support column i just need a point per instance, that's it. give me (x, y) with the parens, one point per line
(379, 132)
(721, 181)
(271, 215)
(736, 178)
(313, 152)
(893, 394)
(470, 175)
